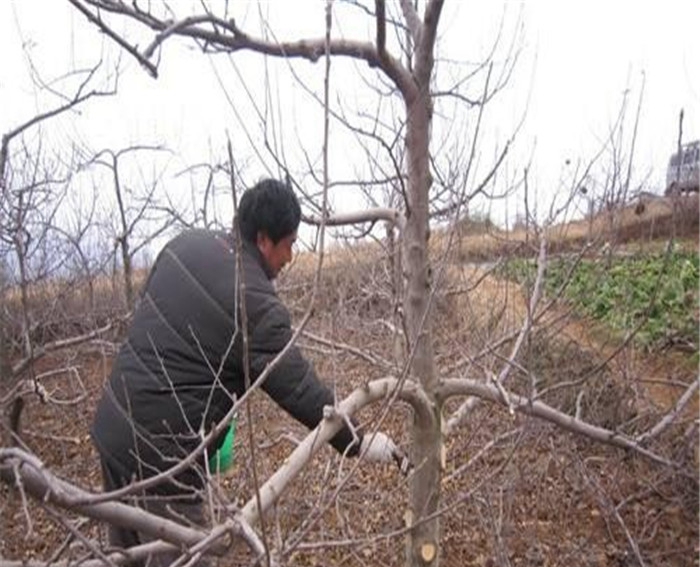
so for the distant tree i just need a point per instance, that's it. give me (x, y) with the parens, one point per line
(135, 210)
(36, 285)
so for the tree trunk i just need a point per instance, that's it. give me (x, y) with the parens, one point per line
(424, 536)
(128, 278)
(123, 238)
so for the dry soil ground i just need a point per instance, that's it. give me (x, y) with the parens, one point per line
(517, 491)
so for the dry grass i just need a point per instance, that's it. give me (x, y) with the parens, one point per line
(485, 292)
(655, 220)
(648, 219)
(538, 498)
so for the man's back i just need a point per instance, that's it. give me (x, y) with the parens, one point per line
(174, 375)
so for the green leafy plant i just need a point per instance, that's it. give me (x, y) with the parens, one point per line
(656, 292)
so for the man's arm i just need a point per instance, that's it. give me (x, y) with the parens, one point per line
(293, 383)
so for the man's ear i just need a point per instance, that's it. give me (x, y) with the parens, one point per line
(263, 241)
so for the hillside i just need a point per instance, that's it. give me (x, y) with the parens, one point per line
(642, 225)
(517, 490)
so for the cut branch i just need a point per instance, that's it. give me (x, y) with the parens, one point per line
(368, 215)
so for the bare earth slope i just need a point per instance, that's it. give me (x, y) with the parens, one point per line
(518, 491)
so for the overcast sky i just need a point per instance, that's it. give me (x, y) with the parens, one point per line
(578, 61)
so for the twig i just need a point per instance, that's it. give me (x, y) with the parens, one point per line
(372, 359)
(152, 69)
(121, 557)
(480, 453)
(75, 533)
(462, 386)
(63, 343)
(468, 405)
(606, 503)
(671, 416)
(246, 351)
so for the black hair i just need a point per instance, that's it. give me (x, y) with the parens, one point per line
(270, 207)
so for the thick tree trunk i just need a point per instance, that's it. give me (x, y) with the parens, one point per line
(423, 544)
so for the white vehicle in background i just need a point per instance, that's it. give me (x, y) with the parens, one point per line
(683, 173)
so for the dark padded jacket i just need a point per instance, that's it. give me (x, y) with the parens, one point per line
(181, 365)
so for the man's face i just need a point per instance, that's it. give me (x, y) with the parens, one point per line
(276, 255)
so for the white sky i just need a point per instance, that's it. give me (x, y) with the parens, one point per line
(589, 52)
(578, 60)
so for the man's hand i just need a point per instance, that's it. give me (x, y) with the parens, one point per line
(379, 448)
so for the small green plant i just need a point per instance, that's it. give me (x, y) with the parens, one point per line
(657, 292)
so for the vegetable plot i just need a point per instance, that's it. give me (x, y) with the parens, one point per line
(653, 296)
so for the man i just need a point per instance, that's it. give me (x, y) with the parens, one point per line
(182, 364)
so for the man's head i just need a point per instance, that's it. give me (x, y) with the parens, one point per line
(269, 216)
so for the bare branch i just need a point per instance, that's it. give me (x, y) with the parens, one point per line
(8, 136)
(381, 27)
(53, 346)
(465, 387)
(468, 405)
(178, 26)
(372, 359)
(17, 466)
(367, 215)
(414, 24)
(152, 69)
(50, 114)
(424, 55)
(121, 557)
(226, 36)
(28, 472)
(672, 415)
(331, 424)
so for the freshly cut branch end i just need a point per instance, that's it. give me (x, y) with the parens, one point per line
(408, 518)
(427, 552)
